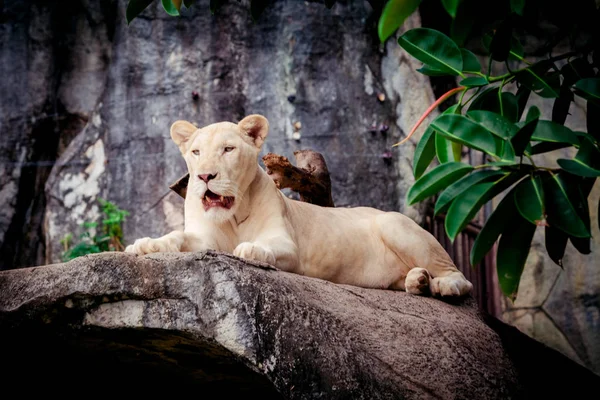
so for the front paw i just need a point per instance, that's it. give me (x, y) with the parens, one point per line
(148, 245)
(253, 251)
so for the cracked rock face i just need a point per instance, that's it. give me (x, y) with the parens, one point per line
(89, 102)
(216, 322)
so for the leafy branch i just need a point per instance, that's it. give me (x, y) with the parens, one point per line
(110, 237)
(493, 123)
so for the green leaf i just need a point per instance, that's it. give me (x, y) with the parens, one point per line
(446, 150)
(556, 244)
(462, 24)
(494, 122)
(516, 48)
(504, 104)
(529, 198)
(576, 69)
(581, 244)
(589, 89)
(522, 97)
(540, 80)
(437, 179)
(497, 222)
(572, 71)
(509, 107)
(508, 152)
(548, 131)
(458, 187)
(393, 16)
(473, 81)
(424, 153)
(135, 7)
(588, 152)
(561, 106)
(429, 71)
(593, 120)
(463, 130)
(561, 212)
(470, 61)
(451, 6)
(576, 167)
(513, 250)
(523, 135)
(580, 195)
(517, 6)
(485, 99)
(434, 49)
(466, 206)
(170, 6)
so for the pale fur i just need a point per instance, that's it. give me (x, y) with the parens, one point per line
(356, 246)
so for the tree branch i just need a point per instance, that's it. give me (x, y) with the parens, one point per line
(310, 178)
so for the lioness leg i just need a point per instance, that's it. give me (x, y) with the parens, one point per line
(276, 249)
(176, 241)
(417, 249)
(171, 242)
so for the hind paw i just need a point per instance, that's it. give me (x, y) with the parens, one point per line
(417, 281)
(452, 285)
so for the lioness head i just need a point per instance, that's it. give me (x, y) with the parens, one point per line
(221, 160)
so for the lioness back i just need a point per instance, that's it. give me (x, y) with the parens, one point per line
(233, 205)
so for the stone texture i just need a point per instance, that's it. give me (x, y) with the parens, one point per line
(53, 63)
(214, 322)
(311, 338)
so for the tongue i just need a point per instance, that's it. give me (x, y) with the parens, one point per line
(212, 199)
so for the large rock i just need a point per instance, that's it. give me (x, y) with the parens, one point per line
(217, 322)
(96, 96)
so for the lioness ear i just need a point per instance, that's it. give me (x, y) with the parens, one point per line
(181, 132)
(256, 127)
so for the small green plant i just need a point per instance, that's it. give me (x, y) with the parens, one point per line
(109, 238)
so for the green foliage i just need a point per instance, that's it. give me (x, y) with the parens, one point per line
(489, 118)
(433, 49)
(171, 7)
(110, 237)
(393, 16)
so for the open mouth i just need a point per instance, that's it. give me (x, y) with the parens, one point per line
(211, 199)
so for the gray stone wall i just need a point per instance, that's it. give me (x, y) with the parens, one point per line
(117, 89)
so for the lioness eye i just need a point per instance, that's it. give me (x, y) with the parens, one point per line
(196, 152)
(228, 149)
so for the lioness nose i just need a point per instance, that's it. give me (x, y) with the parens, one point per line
(207, 177)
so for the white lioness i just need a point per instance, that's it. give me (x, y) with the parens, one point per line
(233, 205)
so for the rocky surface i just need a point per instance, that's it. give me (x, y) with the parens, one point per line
(90, 101)
(308, 338)
(216, 322)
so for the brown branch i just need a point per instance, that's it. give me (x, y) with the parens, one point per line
(310, 178)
